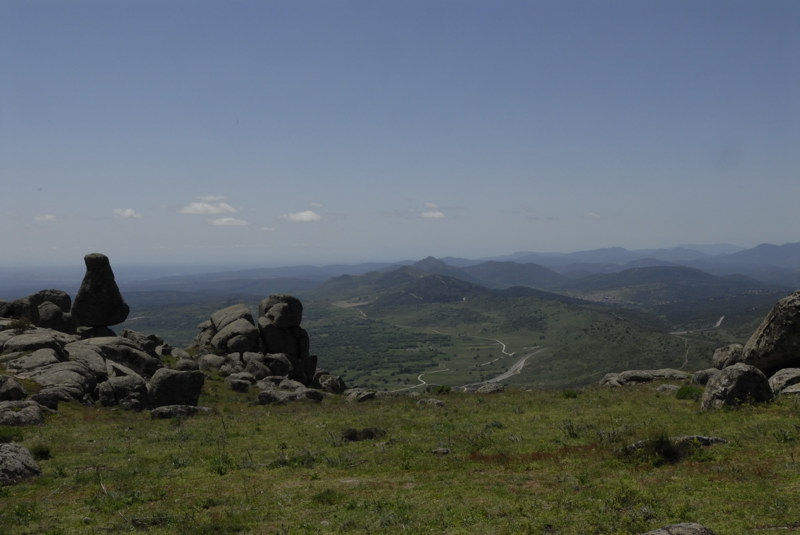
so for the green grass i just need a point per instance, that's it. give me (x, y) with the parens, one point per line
(519, 462)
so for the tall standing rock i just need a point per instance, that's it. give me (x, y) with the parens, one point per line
(99, 302)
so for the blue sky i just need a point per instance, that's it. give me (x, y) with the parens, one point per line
(275, 133)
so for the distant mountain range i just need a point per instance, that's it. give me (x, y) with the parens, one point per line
(768, 264)
(774, 265)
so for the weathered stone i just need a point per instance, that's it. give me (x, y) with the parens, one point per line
(10, 389)
(89, 355)
(240, 382)
(632, 377)
(51, 316)
(290, 384)
(210, 361)
(735, 385)
(129, 391)
(59, 298)
(172, 387)
(146, 342)
(266, 397)
(21, 308)
(283, 310)
(31, 361)
(727, 356)
(783, 379)
(701, 377)
(224, 317)
(16, 464)
(791, 390)
(330, 383)
(685, 528)
(278, 363)
(776, 342)
(358, 395)
(127, 353)
(31, 341)
(99, 301)
(238, 336)
(21, 413)
(491, 388)
(65, 380)
(257, 368)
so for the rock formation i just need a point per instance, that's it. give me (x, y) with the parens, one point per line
(776, 342)
(99, 302)
(274, 345)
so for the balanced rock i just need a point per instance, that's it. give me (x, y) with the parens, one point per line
(99, 302)
(776, 342)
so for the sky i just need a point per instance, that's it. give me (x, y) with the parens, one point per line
(276, 133)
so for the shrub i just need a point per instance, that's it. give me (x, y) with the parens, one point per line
(40, 452)
(691, 392)
(21, 324)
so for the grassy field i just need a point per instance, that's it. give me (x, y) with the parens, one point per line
(517, 462)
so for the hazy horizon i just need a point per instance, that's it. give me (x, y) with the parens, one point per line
(268, 133)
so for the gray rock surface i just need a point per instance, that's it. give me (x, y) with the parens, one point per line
(784, 379)
(727, 356)
(776, 342)
(737, 384)
(21, 413)
(631, 377)
(128, 391)
(173, 387)
(126, 352)
(16, 464)
(11, 389)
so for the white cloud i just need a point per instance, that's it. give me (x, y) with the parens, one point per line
(316, 205)
(208, 205)
(211, 198)
(306, 216)
(432, 211)
(228, 222)
(45, 218)
(127, 213)
(432, 214)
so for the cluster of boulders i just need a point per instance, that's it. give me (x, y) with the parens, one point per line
(270, 353)
(66, 351)
(767, 365)
(69, 352)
